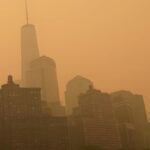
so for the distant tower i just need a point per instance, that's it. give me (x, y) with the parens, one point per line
(74, 88)
(29, 46)
(43, 74)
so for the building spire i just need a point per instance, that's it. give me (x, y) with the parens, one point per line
(27, 12)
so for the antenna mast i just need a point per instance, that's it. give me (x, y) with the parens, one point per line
(27, 12)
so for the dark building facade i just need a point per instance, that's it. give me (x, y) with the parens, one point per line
(124, 116)
(131, 115)
(98, 121)
(148, 135)
(54, 133)
(24, 126)
(19, 117)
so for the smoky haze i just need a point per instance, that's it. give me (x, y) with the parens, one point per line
(105, 41)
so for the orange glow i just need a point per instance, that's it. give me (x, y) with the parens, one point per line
(107, 41)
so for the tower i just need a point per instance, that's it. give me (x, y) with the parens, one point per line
(74, 88)
(98, 121)
(22, 108)
(39, 71)
(43, 74)
(29, 46)
(24, 126)
(130, 108)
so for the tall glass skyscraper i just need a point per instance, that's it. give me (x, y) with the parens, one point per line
(29, 48)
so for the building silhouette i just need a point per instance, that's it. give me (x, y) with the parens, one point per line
(54, 133)
(23, 124)
(43, 74)
(148, 135)
(131, 115)
(74, 88)
(98, 122)
(29, 49)
(19, 116)
(124, 115)
(39, 72)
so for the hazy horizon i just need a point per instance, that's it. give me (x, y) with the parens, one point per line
(107, 42)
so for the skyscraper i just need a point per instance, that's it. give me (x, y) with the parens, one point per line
(42, 73)
(98, 121)
(39, 71)
(130, 108)
(29, 46)
(23, 124)
(20, 110)
(74, 88)
(124, 117)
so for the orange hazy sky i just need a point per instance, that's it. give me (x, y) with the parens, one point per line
(107, 41)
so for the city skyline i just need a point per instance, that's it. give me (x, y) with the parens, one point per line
(77, 75)
(121, 64)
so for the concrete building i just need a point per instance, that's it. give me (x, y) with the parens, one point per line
(23, 124)
(98, 121)
(74, 88)
(20, 111)
(124, 116)
(131, 114)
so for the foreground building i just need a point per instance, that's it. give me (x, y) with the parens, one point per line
(23, 124)
(19, 117)
(127, 129)
(54, 133)
(148, 135)
(98, 121)
(131, 116)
